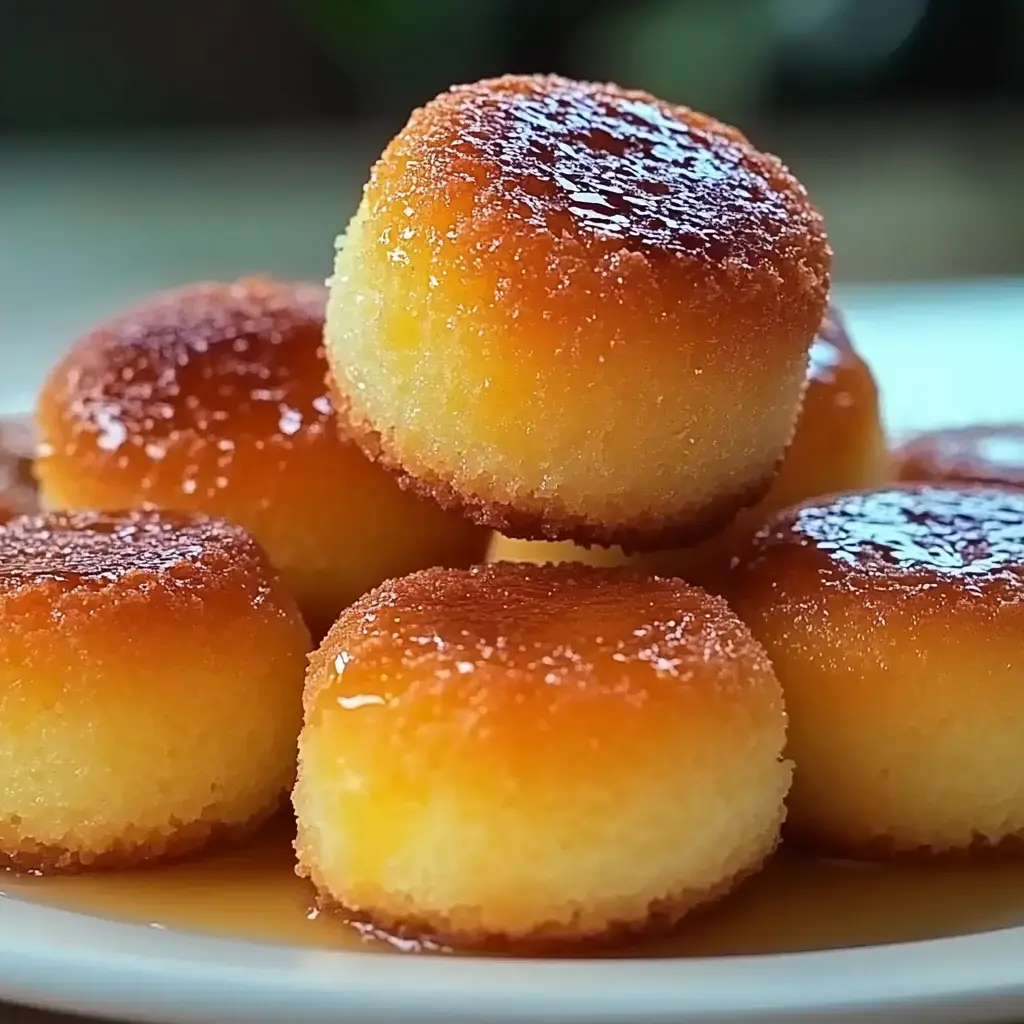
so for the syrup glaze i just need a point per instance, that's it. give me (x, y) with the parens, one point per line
(82, 548)
(913, 537)
(637, 641)
(199, 363)
(795, 904)
(618, 164)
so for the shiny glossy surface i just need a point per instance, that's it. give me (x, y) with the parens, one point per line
(796, 904)
(992, 454)
(913, 534)
(71, 549)
(201, 362)
(524, 641)
(623, 165)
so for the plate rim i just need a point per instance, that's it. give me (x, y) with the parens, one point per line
(67, 960)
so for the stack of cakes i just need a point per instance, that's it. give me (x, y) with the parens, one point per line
(572, 324)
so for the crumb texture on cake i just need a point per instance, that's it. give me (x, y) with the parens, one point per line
(839, 445)
(150, 688)
(516, 754)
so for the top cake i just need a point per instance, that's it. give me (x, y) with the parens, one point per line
(576, 312)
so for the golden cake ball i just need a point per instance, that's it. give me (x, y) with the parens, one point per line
(212, 397)
(895, 622)
(839, 445)
(151, 672)
(520, 756)
(983, 454)
(555, 297)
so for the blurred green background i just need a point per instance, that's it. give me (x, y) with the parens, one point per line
(143, 144)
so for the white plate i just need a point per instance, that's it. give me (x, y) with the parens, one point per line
(944, 354)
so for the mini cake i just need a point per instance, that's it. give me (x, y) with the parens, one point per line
(150, 688)
(986, 454)
(520, 756)
(895, 621)
(555, 299)
(212, 398)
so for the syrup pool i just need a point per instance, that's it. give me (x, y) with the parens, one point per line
(797, 903)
